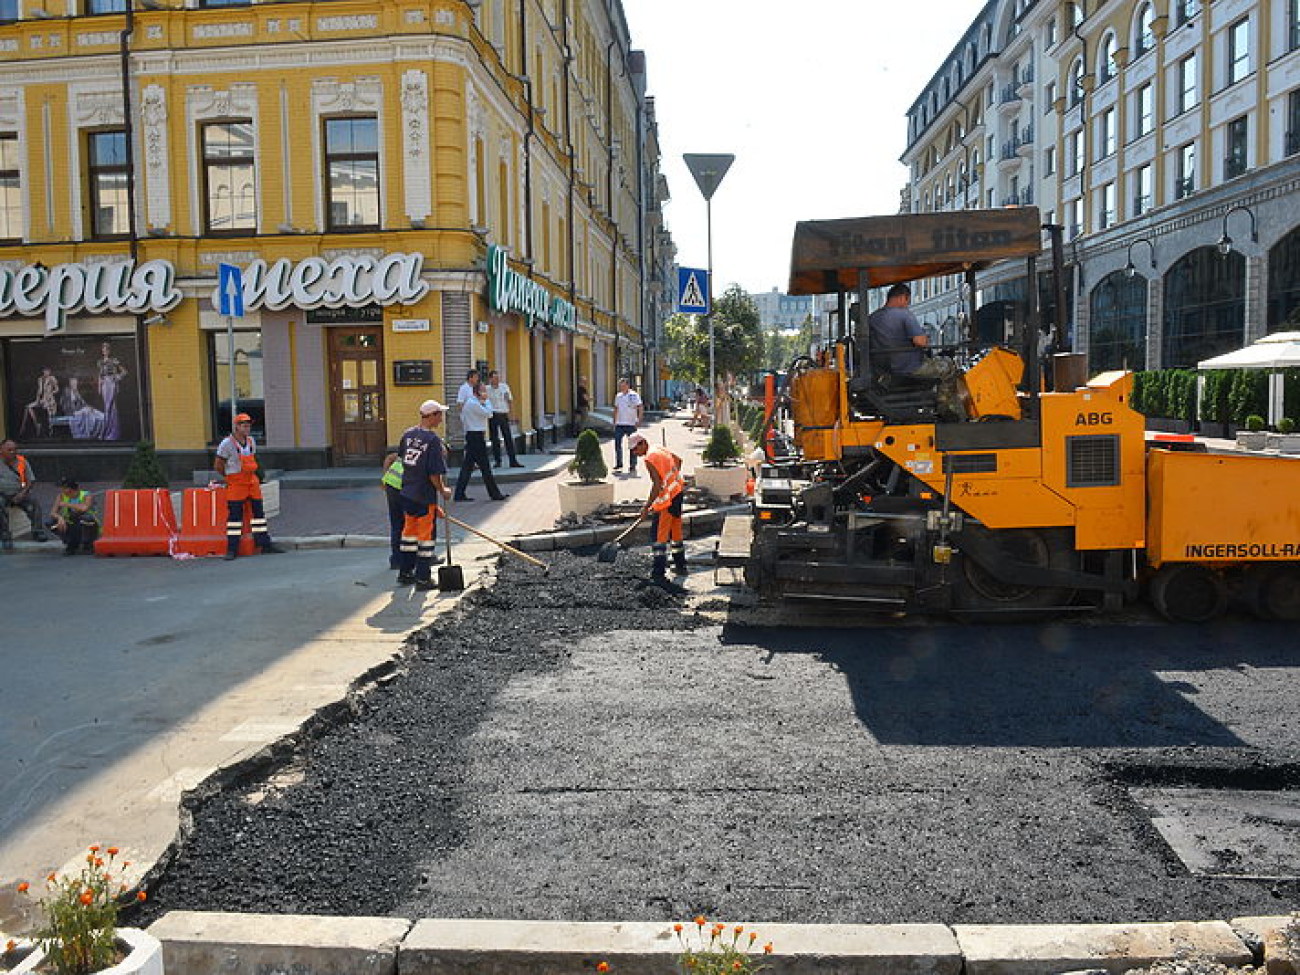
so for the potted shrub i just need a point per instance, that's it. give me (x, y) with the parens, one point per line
(1253, 437)
(1288, 439)
(80, 935)
(590, 491)
(721, 475)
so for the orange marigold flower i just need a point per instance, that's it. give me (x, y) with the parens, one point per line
(11, 944)
(112, 851)
(699, 919)
(22, 888)
(99, 861)
(739, 928)
(752, 936)
(86, 898)
(51, 878)
(718, 925)
(602, 966)
(678, 927)
(735, 966)
(142, 896)
(95, 848)
(767, 948)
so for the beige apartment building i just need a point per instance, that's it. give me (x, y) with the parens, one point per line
(1162, 135)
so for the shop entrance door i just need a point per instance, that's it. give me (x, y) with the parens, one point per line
(357, 395)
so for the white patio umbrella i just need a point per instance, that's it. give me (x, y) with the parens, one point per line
(1275, 352)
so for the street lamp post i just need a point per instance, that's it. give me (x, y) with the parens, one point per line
(708, 170)
(1225, 242)
(1129, 269)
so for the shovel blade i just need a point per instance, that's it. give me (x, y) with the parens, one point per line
(451, 578)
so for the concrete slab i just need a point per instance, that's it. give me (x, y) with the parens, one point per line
(1031, 949)
(451, 947)
(1228, 832)
(254, 944)
(1278, 939)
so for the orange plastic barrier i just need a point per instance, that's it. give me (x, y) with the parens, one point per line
(139, 522)
(203, 524)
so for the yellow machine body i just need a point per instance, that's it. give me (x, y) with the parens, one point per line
(1222, 509)
(990, 385)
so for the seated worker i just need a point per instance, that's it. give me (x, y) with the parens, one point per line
(16, 480)
(898, 346)
(73, 517)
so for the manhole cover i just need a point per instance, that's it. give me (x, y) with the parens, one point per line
(1228, 833)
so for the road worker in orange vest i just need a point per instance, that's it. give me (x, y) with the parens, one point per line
(667, 488)
(237, 463)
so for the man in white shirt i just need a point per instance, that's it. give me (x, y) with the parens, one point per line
(475, 414)
(628, 413)
(466, 390)
(503, 401)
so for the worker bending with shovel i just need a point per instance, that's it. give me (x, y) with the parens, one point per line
(667, 488)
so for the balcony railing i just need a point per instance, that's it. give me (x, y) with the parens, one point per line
(1008, 95)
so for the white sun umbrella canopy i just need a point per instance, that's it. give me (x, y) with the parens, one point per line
(1275, 352)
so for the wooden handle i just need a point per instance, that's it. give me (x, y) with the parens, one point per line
(495, 541)
(632, 527)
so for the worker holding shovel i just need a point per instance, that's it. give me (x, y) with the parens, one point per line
(424, 466)
(666, 490)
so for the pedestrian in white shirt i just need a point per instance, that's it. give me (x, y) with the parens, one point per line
(475, 415)
(466, 390)
(503, 401)
(628, 413)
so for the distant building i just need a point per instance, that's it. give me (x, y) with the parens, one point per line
(786, 312)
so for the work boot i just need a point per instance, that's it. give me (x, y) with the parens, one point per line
(405, 578)
(667, 585)
(229, 556)
(679, 567)
(424, 585)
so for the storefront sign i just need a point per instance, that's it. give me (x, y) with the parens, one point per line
(65, 288)
(410, 324)
(508, 290)
(344, 281)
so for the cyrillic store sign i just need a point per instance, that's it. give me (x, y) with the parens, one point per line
(96, 288)
(314, 282)
(508, 290)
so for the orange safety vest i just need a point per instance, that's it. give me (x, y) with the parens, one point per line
(661, 460)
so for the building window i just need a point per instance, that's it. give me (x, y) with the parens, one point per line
(1075, 227)
(1144, 114)
(1293, 122)
(1205, 307)
(249, 390)
(1142, 198)
(1293, 23)
(11, 203)
(1185, 171)
(1051, 31)
(1187, 90)
(1106, 134)
(352, 173)
(1118, 324)
(1049, 95)
(1074, 161)
(1074, 15)
(106, 6)
(8, 10)
(228, 177)
(1234, 164)
(1238, 50)
(225, 3)
(1049, 161)
(1106, 59)
(1145, 38)
(1185, 10)
(1106, 207)
(107, 176)
(1076, 83)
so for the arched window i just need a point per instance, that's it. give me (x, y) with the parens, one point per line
(1284, 283)
(1117, 327)
(1106, 59)
(1205, 307)
(1144, 37)
(1076, 82)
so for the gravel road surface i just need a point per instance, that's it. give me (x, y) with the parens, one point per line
(583, 746)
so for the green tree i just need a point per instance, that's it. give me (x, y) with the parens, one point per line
(738, 341)
(145, 471)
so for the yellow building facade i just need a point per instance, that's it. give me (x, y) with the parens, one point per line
(341, 205)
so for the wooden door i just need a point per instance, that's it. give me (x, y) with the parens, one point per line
(357, 394)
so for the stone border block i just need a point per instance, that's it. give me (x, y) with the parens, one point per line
(534, 543)
(365, 541)
(1030, 949)
(578, 538)
(253, 944)
(1267, 934)
(314, 541)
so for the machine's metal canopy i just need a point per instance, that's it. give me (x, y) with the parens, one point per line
(829, 254)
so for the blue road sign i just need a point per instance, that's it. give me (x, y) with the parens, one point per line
(692, 291)
(230, 290)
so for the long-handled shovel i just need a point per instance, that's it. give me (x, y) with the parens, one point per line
(497, 542)
(450, 577)
(609, 551)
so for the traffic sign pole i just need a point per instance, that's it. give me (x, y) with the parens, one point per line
(230, 302)
(230, 343)
(708, 170)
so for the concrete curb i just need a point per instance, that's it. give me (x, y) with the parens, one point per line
(253, 944)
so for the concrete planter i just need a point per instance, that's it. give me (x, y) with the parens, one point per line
(721, 482)
(1288, 443)
(143, 956)
(271, 498)
(582, 499)
(1248, 440)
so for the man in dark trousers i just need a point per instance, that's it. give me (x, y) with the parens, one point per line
(236, 463)
(475, 415)
(424, 464)
(667, 488)
(503, 404)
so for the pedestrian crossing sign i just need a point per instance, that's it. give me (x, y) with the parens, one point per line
(692, 291)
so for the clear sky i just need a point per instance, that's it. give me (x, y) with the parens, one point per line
(810, 97)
